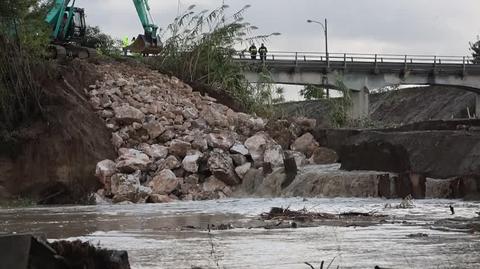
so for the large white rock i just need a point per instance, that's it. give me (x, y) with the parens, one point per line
(243, 169)
(128, 114)
(200, 143)
(190, 113)
(131, 160)
(239, 148)
(221, 166)
(221, 140)
(300, 158)
(164, 182)
(273, 155)
(179, 148)
(154, 129)
(214, 117)
(155, 151)
(171, 162)
(306, 144)
(125, 184)
(105, 170)
(190, 162)
(256, 146)
(126, 187)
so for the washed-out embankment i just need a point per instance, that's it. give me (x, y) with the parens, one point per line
(133, 135)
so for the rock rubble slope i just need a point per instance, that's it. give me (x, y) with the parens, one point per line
(173, 143)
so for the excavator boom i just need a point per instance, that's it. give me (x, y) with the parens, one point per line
(149, 42)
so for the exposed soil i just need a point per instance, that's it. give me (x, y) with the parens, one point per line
(52, 159)
(421, 104)
(398, 107)
(315, 109)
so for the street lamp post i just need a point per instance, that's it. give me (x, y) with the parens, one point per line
(325, 30)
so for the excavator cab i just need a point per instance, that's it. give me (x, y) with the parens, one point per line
(78, 26)
(68, 28)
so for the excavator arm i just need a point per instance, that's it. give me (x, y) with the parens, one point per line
(143, 11)
(149, 42)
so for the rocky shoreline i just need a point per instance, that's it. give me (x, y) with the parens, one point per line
(175, 144)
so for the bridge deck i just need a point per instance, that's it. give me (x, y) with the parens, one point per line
(365, 62)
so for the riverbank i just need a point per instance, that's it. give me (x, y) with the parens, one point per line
(132, 135)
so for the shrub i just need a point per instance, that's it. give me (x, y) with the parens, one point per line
(201, 49)
(23, 39)
(105, 44)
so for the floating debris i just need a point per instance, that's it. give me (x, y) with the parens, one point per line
(303, 215)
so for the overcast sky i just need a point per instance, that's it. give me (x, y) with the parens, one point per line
(442, 27)
(433, 27)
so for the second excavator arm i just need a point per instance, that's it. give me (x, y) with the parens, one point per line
(149, 43)
(143, 11)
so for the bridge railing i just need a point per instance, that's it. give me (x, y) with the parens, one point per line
(359, 57)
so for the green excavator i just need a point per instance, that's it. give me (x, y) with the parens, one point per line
(69, 27)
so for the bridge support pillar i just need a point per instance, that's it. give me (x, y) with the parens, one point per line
(477, 106)
(360, 104)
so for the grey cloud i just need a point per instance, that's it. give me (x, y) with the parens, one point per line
(370, 26)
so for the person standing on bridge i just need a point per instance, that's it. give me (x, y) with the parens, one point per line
(253, 51)
(263, 52)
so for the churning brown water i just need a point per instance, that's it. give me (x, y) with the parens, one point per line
(175, 236)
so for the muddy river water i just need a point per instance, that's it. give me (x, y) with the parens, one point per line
(162, 235)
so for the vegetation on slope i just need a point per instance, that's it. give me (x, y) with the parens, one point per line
(200, 48)
(23, 39)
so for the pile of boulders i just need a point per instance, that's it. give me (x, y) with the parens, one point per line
(173, 143)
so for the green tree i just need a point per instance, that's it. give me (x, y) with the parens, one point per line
(22, 21)
(23, 39)
(105, 44)
(312, 92)
(475, 49)
(341, 106)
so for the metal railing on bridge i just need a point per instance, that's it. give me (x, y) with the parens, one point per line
(360, 58)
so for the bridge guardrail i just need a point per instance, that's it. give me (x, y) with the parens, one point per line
(359, 57)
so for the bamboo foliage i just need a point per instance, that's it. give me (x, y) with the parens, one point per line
(200, 47)
(20, 96)
(23, 38)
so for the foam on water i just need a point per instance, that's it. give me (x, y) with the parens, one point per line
(151, 234)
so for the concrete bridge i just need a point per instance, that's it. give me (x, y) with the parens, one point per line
(364, 72)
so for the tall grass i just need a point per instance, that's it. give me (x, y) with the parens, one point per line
(340, 107)
(200, 48)
(20, 94)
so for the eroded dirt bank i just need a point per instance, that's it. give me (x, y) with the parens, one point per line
(403, 106)
(52, 159)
